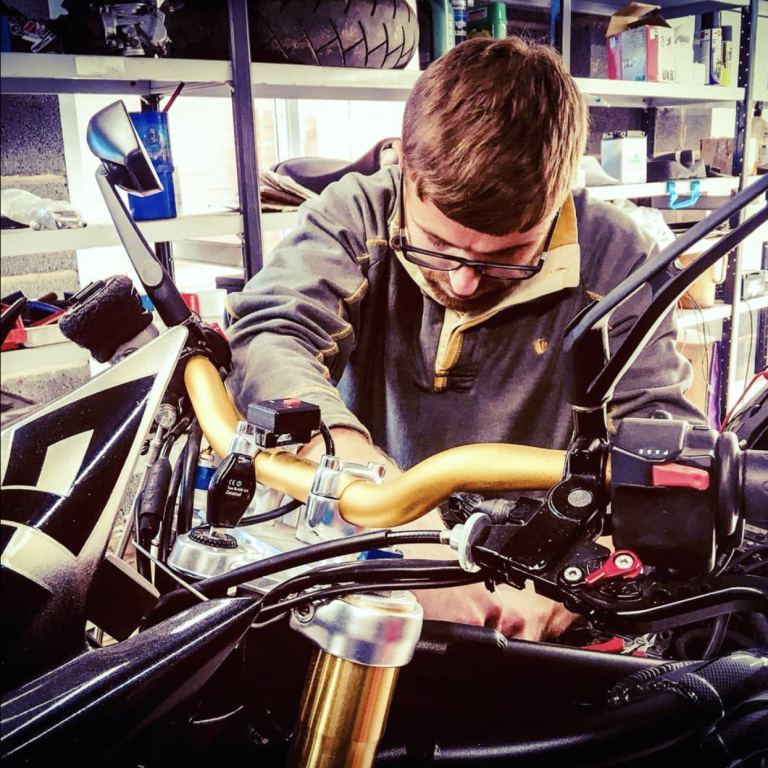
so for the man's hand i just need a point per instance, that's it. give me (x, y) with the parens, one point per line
(519, 613)
(522, 614)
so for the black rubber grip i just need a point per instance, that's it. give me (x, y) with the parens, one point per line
(754, 494)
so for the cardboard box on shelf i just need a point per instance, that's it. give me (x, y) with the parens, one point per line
(641, 45)
(718, 153)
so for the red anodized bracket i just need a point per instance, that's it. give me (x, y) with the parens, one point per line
(622, 564)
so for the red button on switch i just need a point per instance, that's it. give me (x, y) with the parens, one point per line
(678, 476)
(291, 403)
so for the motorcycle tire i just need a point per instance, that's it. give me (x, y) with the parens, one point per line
(377, 34)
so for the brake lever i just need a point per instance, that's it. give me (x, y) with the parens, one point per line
(626, 600)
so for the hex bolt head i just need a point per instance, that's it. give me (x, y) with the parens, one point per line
(580, 498)
(624, 561)
(304, 613)
(573, 574)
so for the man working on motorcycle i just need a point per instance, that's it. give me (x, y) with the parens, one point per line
(424, 307)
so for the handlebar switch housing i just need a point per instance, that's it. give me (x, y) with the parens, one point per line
(664, 494)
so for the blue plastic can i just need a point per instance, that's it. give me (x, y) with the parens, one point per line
(152, 128)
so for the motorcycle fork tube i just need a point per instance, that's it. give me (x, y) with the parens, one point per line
(361, 641)
(343, 712)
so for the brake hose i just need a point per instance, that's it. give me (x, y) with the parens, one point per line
(180, 599)
(273, 611)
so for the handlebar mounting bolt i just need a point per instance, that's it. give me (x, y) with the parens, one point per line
(624, 561)
(580, 498)
(304, 613)
(572, 574)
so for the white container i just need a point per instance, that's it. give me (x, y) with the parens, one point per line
(625, 156)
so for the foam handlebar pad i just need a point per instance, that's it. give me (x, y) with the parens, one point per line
(106, 319)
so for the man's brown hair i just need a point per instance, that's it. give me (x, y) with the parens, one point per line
(493, 133)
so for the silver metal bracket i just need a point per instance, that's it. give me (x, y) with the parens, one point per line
(321, 520)
(371, 629)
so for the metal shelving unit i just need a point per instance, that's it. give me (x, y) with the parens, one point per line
(242, 81)
(22, 242)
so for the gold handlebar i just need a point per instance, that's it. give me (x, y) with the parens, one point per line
(481, 467)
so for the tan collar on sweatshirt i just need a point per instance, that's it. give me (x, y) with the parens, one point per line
(561, 270)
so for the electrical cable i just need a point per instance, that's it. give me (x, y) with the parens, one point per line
(330, 448)
(365, 572)
(215, 586)
(187, 500)
(272, 612)
(759, 549)
(166, 526)
(732, 412)
(273, 514)
(762, 565)
(751, 337)
(718, 635)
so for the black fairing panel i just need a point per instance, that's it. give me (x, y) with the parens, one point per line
(87, 709)
(32, 589)
(64, 471)
(114, 415)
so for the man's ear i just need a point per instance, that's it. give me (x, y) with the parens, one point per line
(397, 145)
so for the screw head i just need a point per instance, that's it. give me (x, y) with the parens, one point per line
(624, 561)
(580, 498)
(573, 574)
(304, 613)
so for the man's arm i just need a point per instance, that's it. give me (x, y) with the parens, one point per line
(660, 376)
(516, 613)
(298, 319)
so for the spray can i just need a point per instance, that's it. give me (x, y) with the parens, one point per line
(460, 20)
(487, 20)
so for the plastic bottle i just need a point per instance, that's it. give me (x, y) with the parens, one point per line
(39, 212)
(460, 20)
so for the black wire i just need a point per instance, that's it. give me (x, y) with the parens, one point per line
(747, 373)
(756, 567)
(143, 564)
(330, 448)
(312, 554)
(718, 635)
(170, 441)
(759, 623)
(179, 599)
(166, 527)
(742, 556)
(273, 514)
(186, 502)
(180, 427)
(271, 612)
(365, 572)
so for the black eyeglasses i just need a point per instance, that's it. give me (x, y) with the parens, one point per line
(443, 263)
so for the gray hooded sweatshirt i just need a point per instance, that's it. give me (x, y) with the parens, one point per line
(337, 317)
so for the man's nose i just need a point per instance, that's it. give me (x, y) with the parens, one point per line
(464, 280)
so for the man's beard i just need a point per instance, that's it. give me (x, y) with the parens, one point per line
(486, 294)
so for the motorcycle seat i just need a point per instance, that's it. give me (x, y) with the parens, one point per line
(316, 173)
